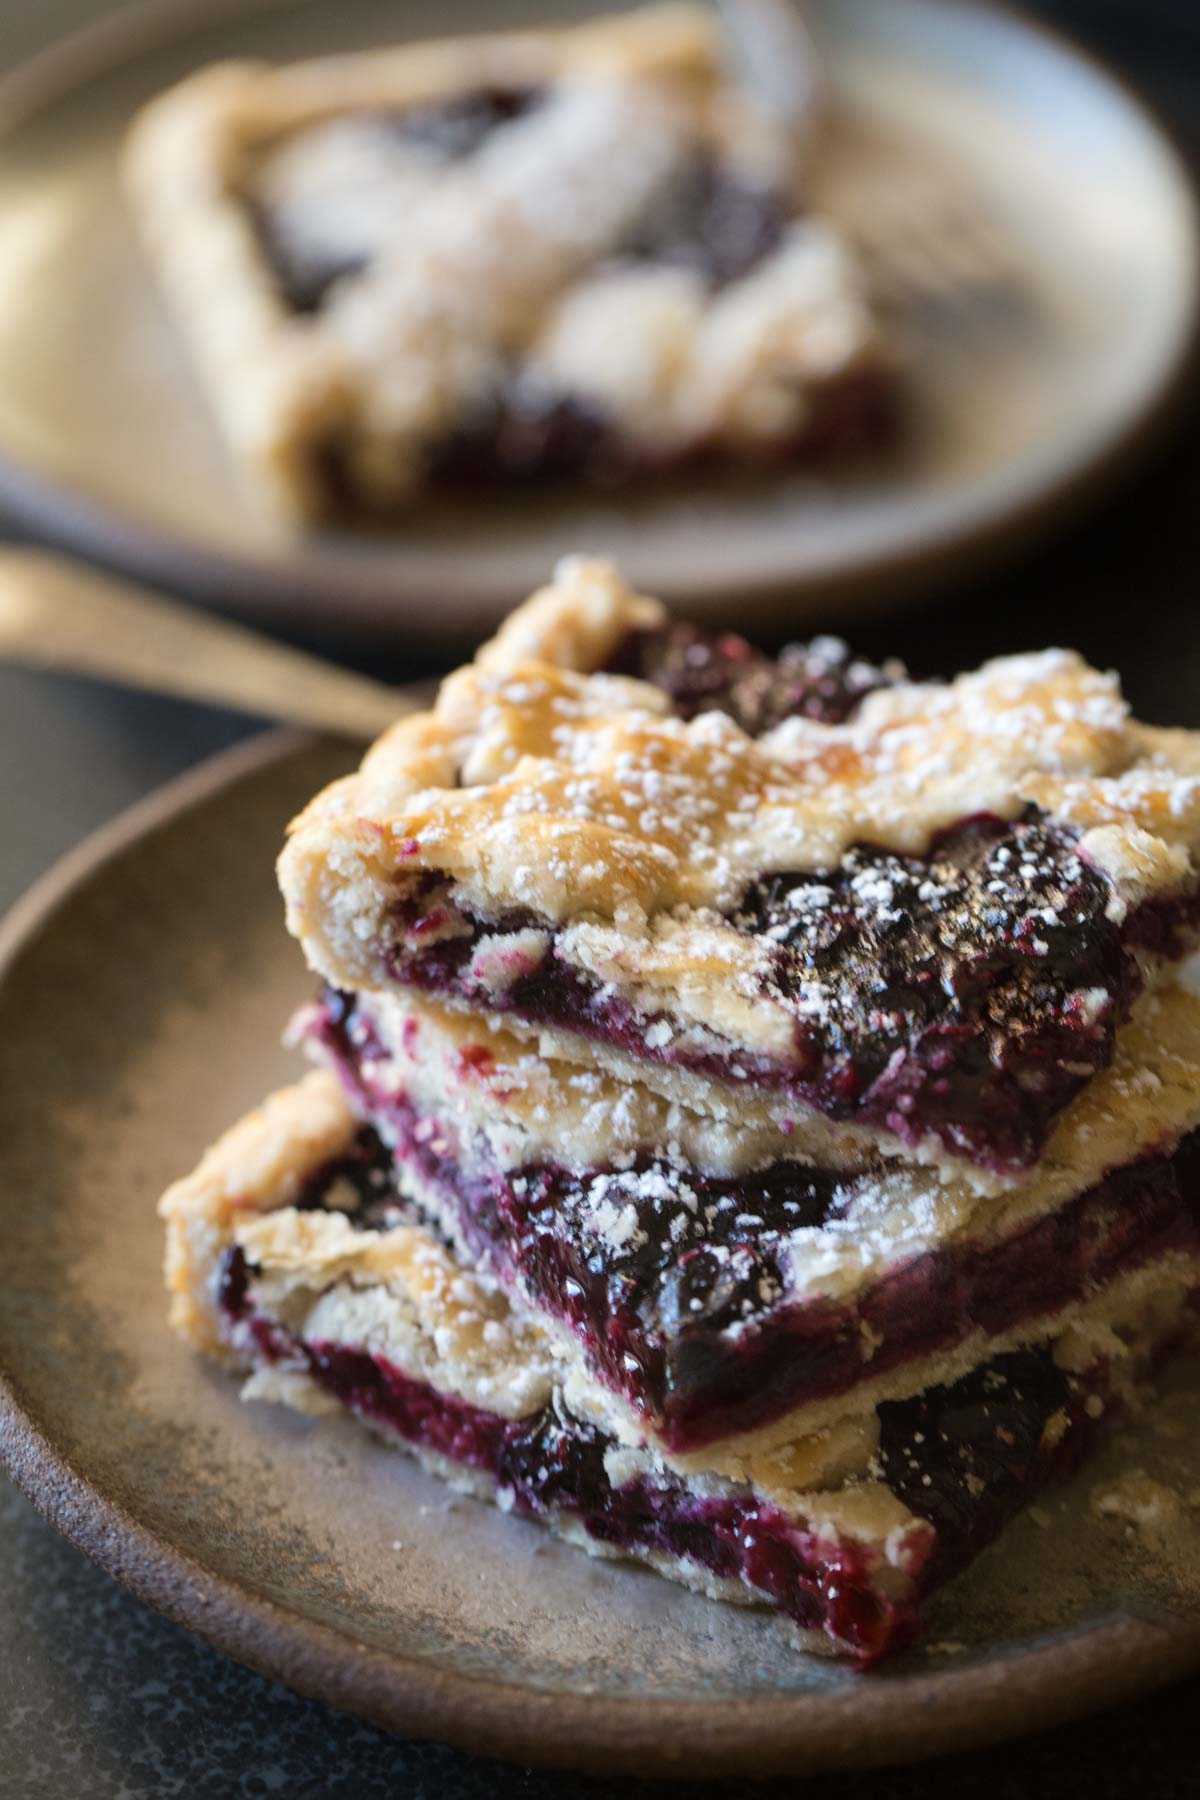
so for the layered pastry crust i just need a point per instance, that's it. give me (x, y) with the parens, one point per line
(459, 210)
(269, 1270)
(550, 815)
(715, 1293)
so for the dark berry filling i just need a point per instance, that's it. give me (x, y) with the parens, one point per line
(963, 1458)
(711, 220)
(701, 671)
(714, 221)
(525, 432)
(968, 1456)
(970, 994)
(967, 995)
(447, 130)
(680, 1289)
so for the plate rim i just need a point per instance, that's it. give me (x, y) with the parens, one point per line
(375, 599)
(910, 1716)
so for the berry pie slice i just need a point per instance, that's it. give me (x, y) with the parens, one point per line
(714, 1295)
(901, 921)
(563, 252)
(293, 1256)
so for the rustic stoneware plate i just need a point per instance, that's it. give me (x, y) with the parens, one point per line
(143, 990)
(1019, 402)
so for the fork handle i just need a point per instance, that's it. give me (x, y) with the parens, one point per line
(58, 614)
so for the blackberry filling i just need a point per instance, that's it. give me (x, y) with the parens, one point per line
(700, 671)
(1010, 1428)
(966, 997)
(448, 130)
(680, 1288)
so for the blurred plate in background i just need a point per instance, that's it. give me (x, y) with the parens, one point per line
(1024, 391)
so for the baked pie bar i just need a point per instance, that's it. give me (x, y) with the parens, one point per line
(293, 1256)
(758, 1122)
(564, 252)
(725, 1295)
(906, 919)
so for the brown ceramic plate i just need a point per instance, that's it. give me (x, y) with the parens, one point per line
(144, 985)
(1020, 399)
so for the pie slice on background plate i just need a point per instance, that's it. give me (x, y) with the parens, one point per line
(577, 252)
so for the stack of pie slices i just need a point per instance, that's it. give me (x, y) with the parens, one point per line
(756, 1127)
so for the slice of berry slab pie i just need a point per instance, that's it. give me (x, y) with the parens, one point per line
(906, 919)
(572, 252)
(293, 1256)
(725, 1296)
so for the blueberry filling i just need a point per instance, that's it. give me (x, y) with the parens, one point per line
(358, 1182)
(968, 1456)
(990, 1428)
(524, 432)
(712, 220)
(458, 126)
(966, 997)
(679, 1287)
(970, 994)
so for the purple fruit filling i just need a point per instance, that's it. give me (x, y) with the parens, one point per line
(963, 1458)
(526, 433)
(689, 1311)
(702, 671)
(712, 220)
(967, 995)
(448, 131)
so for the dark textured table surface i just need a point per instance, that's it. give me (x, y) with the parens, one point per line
(100, 1698)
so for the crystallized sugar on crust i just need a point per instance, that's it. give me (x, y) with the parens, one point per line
(536, 783)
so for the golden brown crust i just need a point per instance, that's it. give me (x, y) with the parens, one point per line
(537, 784)
(260, 1163)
